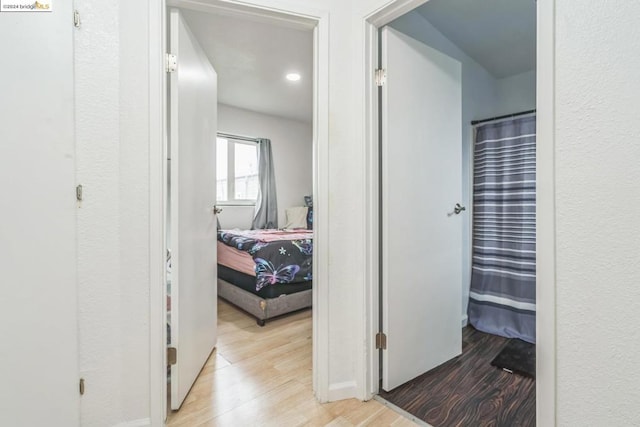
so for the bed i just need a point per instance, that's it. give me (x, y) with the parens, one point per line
(266, 273)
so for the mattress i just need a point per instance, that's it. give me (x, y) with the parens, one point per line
(236, 259)
(248, 283)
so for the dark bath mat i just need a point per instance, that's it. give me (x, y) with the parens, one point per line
(518, 357)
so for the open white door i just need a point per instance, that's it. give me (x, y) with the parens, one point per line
(39, 325)
(192, 140)
(421, 184)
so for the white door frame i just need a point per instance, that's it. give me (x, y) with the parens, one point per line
(545, 283)
(291, 12)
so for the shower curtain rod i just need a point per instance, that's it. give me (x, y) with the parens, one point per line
(506, 116)
(240, 137)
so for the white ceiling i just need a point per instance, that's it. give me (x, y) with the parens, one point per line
(252, 55)
(498, 34)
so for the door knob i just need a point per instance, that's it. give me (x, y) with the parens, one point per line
(216, 210)
(458, 208)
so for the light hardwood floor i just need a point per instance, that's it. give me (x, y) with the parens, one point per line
(262, 377)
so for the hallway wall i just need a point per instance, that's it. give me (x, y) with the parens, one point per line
(596, 261)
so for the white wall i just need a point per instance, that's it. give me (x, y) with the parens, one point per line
(98, 143)
(112, 148)
(134, 201)
(597, 263)
(236, 217)
(516, 93)
(291, 144)
(597, 205)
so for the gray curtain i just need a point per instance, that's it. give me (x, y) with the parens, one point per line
(503, 282)
(266, 215)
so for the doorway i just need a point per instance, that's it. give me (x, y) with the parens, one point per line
(237, 120)
(409, 25)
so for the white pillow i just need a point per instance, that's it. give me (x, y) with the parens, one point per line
(296, 217)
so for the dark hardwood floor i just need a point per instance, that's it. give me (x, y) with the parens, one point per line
(468, 391)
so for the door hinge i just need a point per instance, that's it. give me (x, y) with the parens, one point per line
(76, 19)
(381, 76)
(81, 386)
(79, 192)
(172, 355)
(171, 63)
(381, 341)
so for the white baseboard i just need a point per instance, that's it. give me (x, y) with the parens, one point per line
(465, 320)
(143, 422)
(341, 391)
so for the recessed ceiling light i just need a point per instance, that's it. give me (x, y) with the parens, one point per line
(293, 77)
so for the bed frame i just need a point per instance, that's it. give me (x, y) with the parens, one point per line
(263, 309)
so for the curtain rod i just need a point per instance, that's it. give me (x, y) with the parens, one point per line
(240, 137)
(506, 116)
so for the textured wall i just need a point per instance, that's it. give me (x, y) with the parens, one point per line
(597, 206)
(113, 221)
(98, 154)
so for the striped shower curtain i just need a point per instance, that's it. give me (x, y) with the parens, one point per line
(502, 298)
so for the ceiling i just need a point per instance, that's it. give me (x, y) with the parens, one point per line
(252, 56)
(498, 34)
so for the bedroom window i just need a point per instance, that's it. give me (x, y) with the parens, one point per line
(236, 171)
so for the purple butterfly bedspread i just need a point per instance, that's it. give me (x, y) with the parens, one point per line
(281, 256)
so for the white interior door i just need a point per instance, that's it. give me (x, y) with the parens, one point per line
(192, 138)
(39, 350)
(421, 183)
